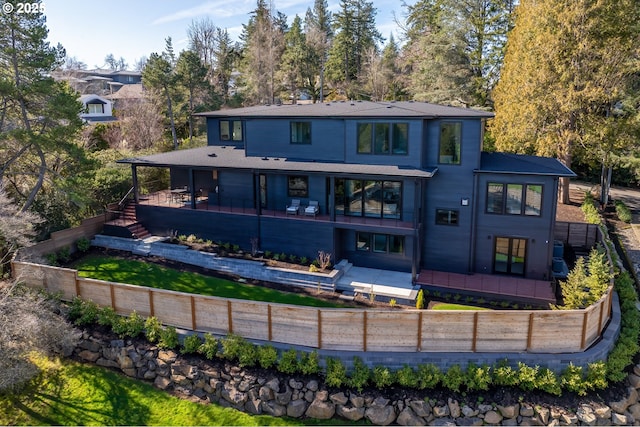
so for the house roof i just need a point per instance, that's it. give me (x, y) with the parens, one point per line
(522, 165)
(132, 91)
(93, 99)
(353, 109)
(221, 157)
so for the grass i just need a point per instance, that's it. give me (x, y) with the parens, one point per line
(447, 306)
(71, 393)
(114, 269)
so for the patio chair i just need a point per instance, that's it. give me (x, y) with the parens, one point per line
(312, 209)
(293, 207)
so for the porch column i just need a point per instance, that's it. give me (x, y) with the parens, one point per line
(417, 228)
(134, 176)
(258, 204)
(332, 198)
(192, 189)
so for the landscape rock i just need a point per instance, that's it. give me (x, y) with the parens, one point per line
(420, 407)
(162, 383)
(493, 417)
(273, 409)
(509, 411)
(89, 356)
(339, 398)
(454, 408)
(380, 415)
(253, 406)
(296, 408)
(321, 410)
(409, 418)
(351, 413)
(586, 416)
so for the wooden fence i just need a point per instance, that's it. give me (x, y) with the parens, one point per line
(393, 330)
(577, 234)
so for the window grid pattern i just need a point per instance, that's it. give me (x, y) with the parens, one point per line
(514, 199)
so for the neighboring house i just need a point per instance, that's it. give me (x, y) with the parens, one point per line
(96, 109)
(399, 185)
(99, 81)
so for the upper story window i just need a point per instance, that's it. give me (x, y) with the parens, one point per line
(298, 186)
(514, 199)
(231, 130)
(447, 216)
(301, 132)
(383, 138)
(450, 137)
(95, 108)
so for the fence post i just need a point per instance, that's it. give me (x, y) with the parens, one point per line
(364, 325)
(269, 326)
(475, 332)
(77, 283)
(585, 319)
(419, 346)
(193, 313)
(229, 316)
(151, 309)
(319, 328)
(530, 332)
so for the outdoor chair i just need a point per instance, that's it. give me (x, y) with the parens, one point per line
(293, 207)
(312, 209)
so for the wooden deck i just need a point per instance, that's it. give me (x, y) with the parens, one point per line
(538, 291)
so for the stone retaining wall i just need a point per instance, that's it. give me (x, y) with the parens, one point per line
(244, 268)
(278, 395)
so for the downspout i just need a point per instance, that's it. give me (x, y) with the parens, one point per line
(552, 230)
(134, 176)
(258, 203)
(474, 214)
(192, 190)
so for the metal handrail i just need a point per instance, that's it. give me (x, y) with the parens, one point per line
(126, 196)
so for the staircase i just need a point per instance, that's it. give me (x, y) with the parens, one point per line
(127, 220)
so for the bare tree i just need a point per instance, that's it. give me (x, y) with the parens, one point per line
(17, 230)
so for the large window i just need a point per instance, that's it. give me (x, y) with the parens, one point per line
(446, 217)
(376, 199)
(449, 150)
(231, 130)
(298, 186)
(95, 108)
(300, 132)
(383, 138)
(514, 199)
(379, 243)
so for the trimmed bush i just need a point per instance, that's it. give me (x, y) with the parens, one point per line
(478, 377)
(248, 354)
(169, 338)
(381, 377)
(191, 344)
(547, 381)
(152, 329)
(288, 363)
(406, 377)
(429, 376)
(267, 356)
(310, 363)
(83, 244)
(623, 212)
(454, 378)
(128, 327)
(420, 300)
(107, 316)
(360, 375)
(505, 375)
(232, 346)
(209, 348)
(571, 380)
(336, 374)
(527, 376)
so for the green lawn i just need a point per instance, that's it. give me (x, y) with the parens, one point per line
(448, 306)
(75, 394)
(114, 269)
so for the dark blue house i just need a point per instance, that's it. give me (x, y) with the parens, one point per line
(393, 185)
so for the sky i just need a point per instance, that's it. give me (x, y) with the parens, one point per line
(131, 29)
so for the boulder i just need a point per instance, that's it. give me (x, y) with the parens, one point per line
(568, 419)
(266, 393)
(509, 411)
(380, 415)
(543, 414)
(321, 410)
(421, 408)
(107, 363)
(454, 408)
(493, 417)
(162, 383)
(634, 380)
(469, 421)
(622, 405)
(356, 401)
(469, 412)
(441, 411)
(253, 407)
(526, 410)
(285, 397)
(409, 418)
(296, 408)
(586, 416)
(339, 398)
(351, 413)
(90, 344)
(89, 356)
(619, 419)
(634, 410)
(167, 356)
(312, 385)
(149, 375)
(273, 384)
(296, 385)
(233, 395)
(448, 422)
(273, 409)
(130, 372)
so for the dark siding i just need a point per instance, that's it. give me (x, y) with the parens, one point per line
(411, 159)
(537, 230)
(236, 188)
(447, 248)
(179, 177)
(395, 262)
(296, 236)
(236, 229)
(272, 138)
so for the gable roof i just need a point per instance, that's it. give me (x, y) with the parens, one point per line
(352, 109)
(522, 164)
(230, 157)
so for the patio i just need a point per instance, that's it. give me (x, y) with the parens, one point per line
(538, 291)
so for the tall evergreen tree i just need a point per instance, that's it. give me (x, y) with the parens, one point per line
(319, 36)
(569, 65)
(191, 74)
(39, 117)
(295, 59)
(356, 34)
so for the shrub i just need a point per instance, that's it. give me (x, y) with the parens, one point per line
(152, 329)
(381, 377)
(169, 338)
(267, 356)
(209, 348)
(571, 380)
(64, 254)
(288, 363)
(623, 212)
(597, 375)
(268, 254)
(547, 381)
(453, 378)
(313, 268)
(75, 309)
(336, 374)
(406, 377)
(236, 248)
(83, 244)
(527, 376)
(248, 354)
(310, 363)
(88, 313)
(304, 260)
(191, 344)
(129, 327)
(591, 214)
(420, 300)
(360, 375)
(505, 375)
(293, 258)
(107, 316)
(52, 259)
(191, 238)
(232, 346)
(478, 377)
(428, 376)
